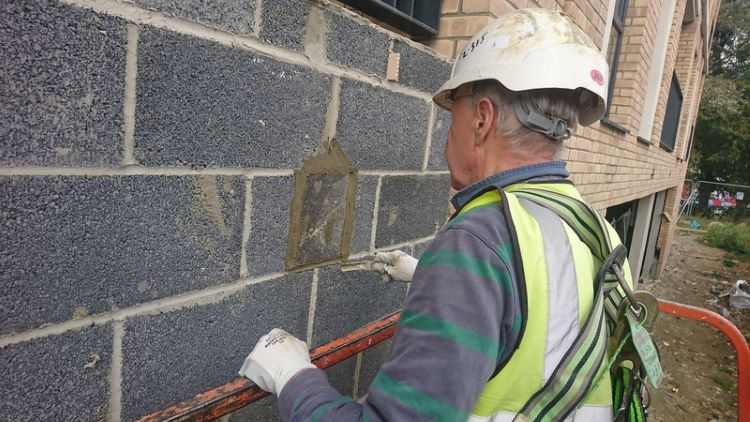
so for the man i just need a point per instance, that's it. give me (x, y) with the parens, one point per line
(502, 292)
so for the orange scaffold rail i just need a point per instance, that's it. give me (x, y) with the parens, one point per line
(735, 336)
(225, 399)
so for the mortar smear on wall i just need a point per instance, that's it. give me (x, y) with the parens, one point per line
(321, 215)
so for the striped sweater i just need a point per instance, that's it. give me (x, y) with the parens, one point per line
(460, 320)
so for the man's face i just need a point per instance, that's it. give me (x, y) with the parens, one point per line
(460, 151)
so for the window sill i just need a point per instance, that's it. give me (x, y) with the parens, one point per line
(644, 141)
(666, 147)
(614, 125)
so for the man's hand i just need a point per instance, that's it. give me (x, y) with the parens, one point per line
(395, 266)
(276, 358)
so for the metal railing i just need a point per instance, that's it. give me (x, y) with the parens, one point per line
(230, 397)
(725, 201)
(213, 404)
(734, 335)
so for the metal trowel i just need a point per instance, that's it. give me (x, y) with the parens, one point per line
(357, 266)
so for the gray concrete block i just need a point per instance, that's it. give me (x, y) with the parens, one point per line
(379, 129)
(357, 46)
(231, 15)
(363, 210)
(62, 78)
(372, 359)
(409, 250)
(411, 207)
(421, 70)
(419, 248)
(269, 224)
(74, 246)
(204, 104)
(264, 410)
(439, 139)
(347, 301)
(284, 23)
(173, 356)
(341, 376)
(57, 378)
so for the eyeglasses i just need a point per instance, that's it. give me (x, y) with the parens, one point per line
(462, 91)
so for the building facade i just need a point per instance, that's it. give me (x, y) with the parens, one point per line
(180, 176)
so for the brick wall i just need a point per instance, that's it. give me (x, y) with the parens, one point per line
(147, 167)
(675, 35)
(608, 163)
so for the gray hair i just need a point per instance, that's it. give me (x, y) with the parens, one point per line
(521, 140)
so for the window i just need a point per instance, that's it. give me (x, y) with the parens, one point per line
(686, 152)
(415, 17)
(672, 115)
(613, 48)
(622, 218)
(656, 70)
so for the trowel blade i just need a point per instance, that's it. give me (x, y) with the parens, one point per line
(357, 266)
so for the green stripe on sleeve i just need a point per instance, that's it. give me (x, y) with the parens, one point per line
(479, 267)
(467, 213)
(322, 410)
(449, 331)
(505, 252)
(297, 402)
(417, 400)
(517, 321)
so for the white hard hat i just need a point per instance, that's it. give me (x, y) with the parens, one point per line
(534, 49)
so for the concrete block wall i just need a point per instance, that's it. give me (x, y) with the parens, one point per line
(608, 163)
(147, 158)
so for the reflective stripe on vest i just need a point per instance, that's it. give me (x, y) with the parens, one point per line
(558, 269)
(586, 413)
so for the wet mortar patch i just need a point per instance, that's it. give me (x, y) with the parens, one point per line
(321, 216)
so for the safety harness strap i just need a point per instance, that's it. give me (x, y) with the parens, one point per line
(573, 378)
(590, 228)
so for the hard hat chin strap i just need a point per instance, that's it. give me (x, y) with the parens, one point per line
(554, 128)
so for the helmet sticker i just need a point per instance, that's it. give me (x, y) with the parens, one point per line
(471, 47)
(496, 43)
(597, 77)
(485, 43)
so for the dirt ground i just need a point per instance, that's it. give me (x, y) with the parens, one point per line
(700, 367)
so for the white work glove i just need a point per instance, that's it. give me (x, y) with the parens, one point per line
(395, 266)
(276, 358)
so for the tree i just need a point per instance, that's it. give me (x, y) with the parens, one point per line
(721, 145)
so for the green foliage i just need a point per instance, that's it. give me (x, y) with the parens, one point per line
(731, 40)
(728, 261)
(726, 383)
(721, 144)
(730, 237)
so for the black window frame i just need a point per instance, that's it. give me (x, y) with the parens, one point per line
(618, 25)
(420, 18)
(672, 114)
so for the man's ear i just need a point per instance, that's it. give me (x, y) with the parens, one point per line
(485, 114)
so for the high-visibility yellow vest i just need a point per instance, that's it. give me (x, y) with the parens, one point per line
(558, 270)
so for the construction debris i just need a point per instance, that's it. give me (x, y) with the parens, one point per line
(739, 297)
